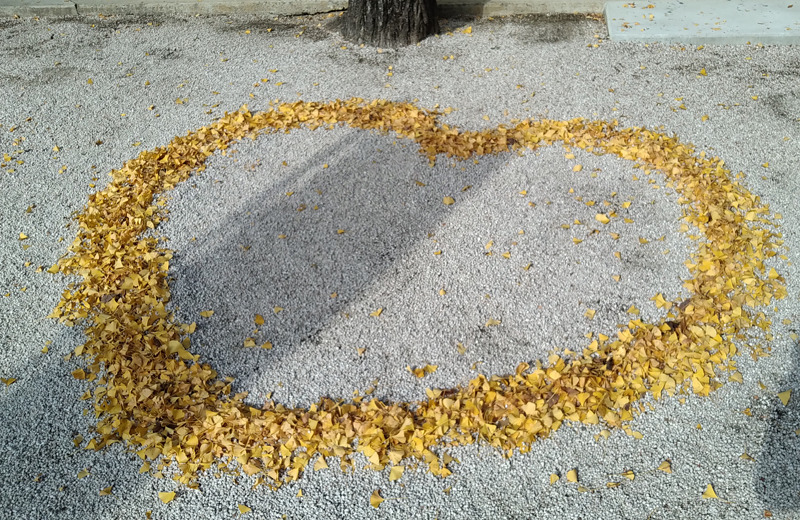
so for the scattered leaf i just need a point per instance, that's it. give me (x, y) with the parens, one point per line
(166, 496)
(106, 491)
(448, 201)
(785, 396)
(553, 478)
(243, 509)
(491, 322)
(629, 475)
(207, 314)
(665, 466)
(396, 473)
(375, 499)
(572, 475)
(259, 320)
(83, 473)
(376, 313)
(709, 492)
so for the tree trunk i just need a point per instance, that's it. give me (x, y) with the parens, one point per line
(390, 23)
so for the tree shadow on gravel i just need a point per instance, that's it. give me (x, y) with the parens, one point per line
(373, 202)
(776, 480)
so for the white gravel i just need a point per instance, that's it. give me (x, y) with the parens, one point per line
(224, 225)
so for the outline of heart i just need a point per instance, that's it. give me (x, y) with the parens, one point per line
(150, 396)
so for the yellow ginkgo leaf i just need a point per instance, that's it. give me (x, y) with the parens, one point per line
(376, 313)
(709, 492)
(785, 396)
(243, 509)
(320, 464)
(396, 472)
(106, 491)
(277, 309)
(259, 320)
(665, 466)
(747, 457)
(736, 377)
(572, 475)
(703, 72)
(249, 343)
(166, 496)
(207, 314)
(375, 499)
(23, 236)
(630, 475)
(8, 381)
(448, 201)
(577, 168)
(602, 218)
(491, 322)
(83, 473)
(553, 478)
(468, 30)
(589, 313)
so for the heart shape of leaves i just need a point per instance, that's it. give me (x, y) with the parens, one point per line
(155, 395)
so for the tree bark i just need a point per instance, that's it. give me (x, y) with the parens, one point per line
(389, 23)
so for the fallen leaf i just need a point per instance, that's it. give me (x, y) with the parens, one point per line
(375, 499)
(602, 218)
(166, 496)
(747, 457)
(395, 473)
(206, 314)
(277, 309)
(243, 509)
(23, 236)
(665, 466)
(589, 313)
(8, 381)
(629, 475)
(448, 201)
(709, 492)
(491, 322)
(577, 168)
(259, 320)
(572, 475)
(784, 396)
(553, 478)
(320, 464)
(376, 313)
(83, 473)
(106, 491)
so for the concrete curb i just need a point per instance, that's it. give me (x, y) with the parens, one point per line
(60, 8)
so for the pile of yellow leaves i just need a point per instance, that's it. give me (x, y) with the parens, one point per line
(155, 395)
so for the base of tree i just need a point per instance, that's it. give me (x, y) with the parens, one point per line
(389, 23)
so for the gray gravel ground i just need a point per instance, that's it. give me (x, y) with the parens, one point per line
(154, 78)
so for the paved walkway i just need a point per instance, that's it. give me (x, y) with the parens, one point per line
(697, 22)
